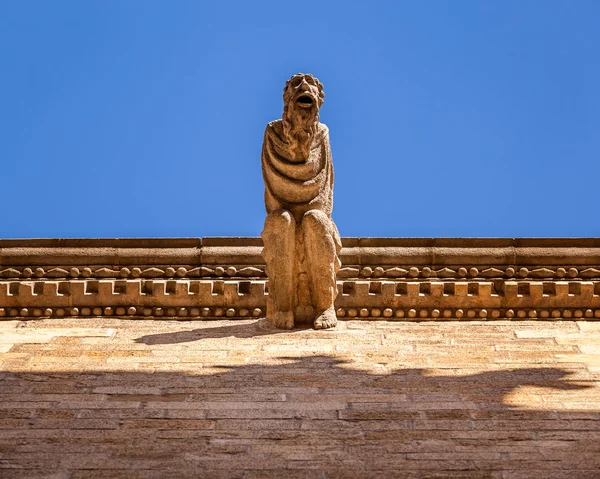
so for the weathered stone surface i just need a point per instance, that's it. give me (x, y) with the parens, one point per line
(82, 398)
(301, 241)
(382, 278)
(553, 253)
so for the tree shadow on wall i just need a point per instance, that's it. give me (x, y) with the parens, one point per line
(305, 417)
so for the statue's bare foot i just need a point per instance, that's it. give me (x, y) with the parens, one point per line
(327, 319)
(283, 320)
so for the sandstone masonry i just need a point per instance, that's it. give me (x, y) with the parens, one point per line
(421, 279)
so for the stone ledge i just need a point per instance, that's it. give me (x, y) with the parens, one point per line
(528, 253)
(420, 278)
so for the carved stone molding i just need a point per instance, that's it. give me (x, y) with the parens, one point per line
(352, 271)
(381, 278)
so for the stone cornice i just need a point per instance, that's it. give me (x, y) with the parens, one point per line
(420, 278)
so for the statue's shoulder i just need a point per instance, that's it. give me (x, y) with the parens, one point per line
(275, 126)
(323, 131)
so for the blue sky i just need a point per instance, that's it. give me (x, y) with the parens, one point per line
(141, 118)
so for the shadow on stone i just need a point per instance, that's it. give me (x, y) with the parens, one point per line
(262, 327)
(311, 416)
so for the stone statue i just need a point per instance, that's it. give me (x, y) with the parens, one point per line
(301, 241)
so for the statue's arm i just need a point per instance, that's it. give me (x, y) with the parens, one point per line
(271, 203)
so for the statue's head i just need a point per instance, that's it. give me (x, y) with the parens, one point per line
(304, 91)
(302, 97)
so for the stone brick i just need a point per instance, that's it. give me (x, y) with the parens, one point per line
(365, 408)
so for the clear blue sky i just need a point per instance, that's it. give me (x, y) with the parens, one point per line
(142, 118)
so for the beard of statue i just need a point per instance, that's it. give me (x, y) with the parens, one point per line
(299, 127)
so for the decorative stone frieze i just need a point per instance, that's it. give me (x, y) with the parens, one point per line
(380, 279)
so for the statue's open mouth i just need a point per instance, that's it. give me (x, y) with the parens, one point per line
(305, 101)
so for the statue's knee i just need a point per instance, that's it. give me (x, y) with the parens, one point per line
(315, 219)
(279, 220)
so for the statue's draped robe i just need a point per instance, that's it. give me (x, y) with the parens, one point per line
(308, 254)
(297, 186)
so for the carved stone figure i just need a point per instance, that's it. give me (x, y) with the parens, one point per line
(301, 241)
